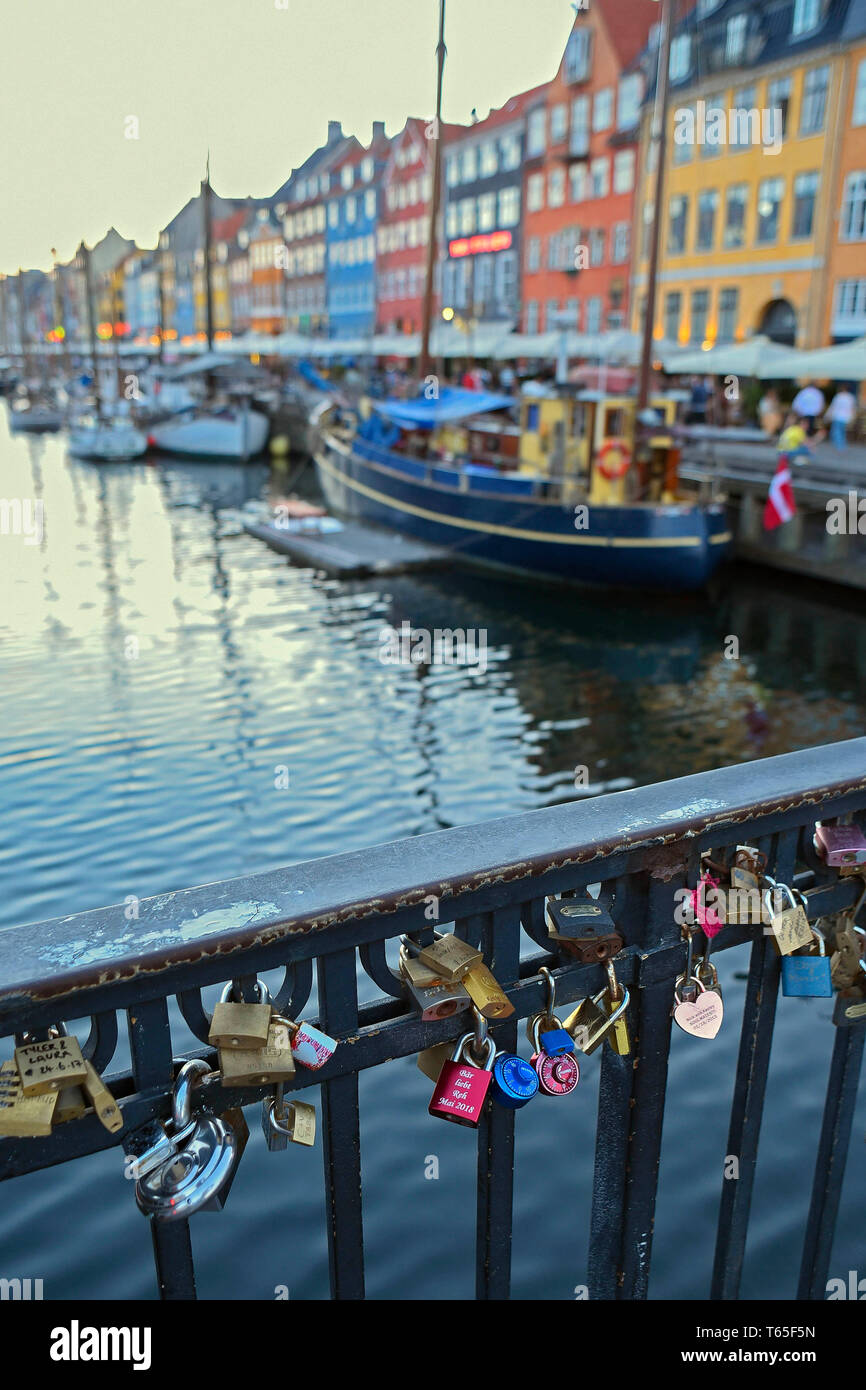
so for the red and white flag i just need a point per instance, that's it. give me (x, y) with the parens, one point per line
(780, 503)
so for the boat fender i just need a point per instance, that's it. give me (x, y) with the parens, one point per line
(618, 465)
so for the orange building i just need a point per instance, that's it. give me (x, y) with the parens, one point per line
(579, 173)
(845, 307)
(268, 264)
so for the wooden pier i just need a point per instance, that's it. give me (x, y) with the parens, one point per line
(351, 552)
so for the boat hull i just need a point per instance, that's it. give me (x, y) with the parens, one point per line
(641, 546)
(209, 437)
(35, 421)
(106, 444)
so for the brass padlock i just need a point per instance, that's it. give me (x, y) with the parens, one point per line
(240, 1025)
(790, 925)
(50, 1065)
(590, 1022)
(846, 961)
(103, 1102)
(449, 956)
(297, 1122)
(433, 995)
(260, 1066)
(850, 1006)
(21, 1116)
(486, 992)
(618, 1034)
(71, 1104)
(432, 1059)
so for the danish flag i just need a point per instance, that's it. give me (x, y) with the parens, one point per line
(780, 503)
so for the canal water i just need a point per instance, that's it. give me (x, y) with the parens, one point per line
(180, 705)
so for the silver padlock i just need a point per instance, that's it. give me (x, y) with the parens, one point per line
(433, 995)
(152, 1146)
(196, 1177)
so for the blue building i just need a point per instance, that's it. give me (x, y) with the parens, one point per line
(353, 208)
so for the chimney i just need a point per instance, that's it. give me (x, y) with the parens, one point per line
(378, 131)
(335, 131)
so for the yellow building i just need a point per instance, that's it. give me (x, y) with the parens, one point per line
(751, 175)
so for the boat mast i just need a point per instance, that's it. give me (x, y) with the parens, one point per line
(84, 253)
(658, 135)
(206, 196)
(424, 362)
(160, 288)
(22, 325)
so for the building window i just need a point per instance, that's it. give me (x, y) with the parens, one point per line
(469, 164)
(678, 212)
(452, 171)
(334, 214)
(680, 60)
(558, 123)
(745, 120)
(602, 109)
(350, 211)
(699, 314)
(769, 202)
(466, 216)
(593, 315)
(578, 182)
(673, 309)
(849, 315)
(578, 54)
(484, 280)
(367, 169)
(682, 149)
(807, 15)
(623, 171)
(596, 246)
(814, 100)
(370, 204)
(620, 244)
(708, 202)
(735, 216)
(532, 316)
(646, 230)
(858, 116)
(452, 225)
(708, 150)
(487, 212)
(551, 310)
(853, 226)
(735, 38)
(489, 159)
(509, 152)
(805, 190)
(509, 205)
(347, 176)
(600, 177)
(779, 99)
(628, 101)
(727, 315)
(535, 131)
(533, 253)
(556, 188)
(535, 192)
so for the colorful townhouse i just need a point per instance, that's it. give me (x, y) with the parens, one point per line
(181, 245)
(845, 297)
(141, 296)
(580, 165)
(303, 196)
(748, 222)
(403, 233)
(239, 280)
(352, 209)
(483, 209)
(268, 286)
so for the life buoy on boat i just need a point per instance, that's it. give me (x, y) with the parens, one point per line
(614, 459)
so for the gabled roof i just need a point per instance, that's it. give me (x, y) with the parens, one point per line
(512, 110)
(628, 23)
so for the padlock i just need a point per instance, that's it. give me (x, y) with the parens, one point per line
(152, 1145)
(486, 993)
(462, 1087)
(590, 1022)
(298, 1123)
(262, 1066)
(106, 1107)
(431, 1060)
(71, 1105)
(790, 925)
(433, 995)
(846, 962)
(196, 1177)
(850, 1007)
(583, 928)
(840, 844)
(21, 1116)
(808, 976)
(515, 1081)
(311, 1048)
(558, 1073)
(449, 956)
(50, 1065)
(239, 1025)
(618, 1035)
(701, 1018)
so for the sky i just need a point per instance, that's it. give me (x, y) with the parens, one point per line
(256, 81)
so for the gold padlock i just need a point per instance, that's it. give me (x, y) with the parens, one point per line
(50, 1065)
(449, 956)
(618, 1035)
(300, 1122)
(71, 1104)
(432, 1059)
(21, 1116)
(240, 1025)
(790, 925)
(260, 1066)
(587, 1023)
(103, 1102)
(486, 992)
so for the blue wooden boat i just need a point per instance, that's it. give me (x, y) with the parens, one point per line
(548, 498)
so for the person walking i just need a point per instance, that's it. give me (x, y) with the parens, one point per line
(809, 405)
(840, 413)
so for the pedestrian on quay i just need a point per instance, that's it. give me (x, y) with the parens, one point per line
(840, 413)
(770, 412)
(792, 440)
(809, 404)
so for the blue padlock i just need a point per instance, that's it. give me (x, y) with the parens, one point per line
(808, 976)
(555, 1041)
(515, 1082)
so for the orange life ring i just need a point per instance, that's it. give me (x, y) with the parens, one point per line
(612, 471)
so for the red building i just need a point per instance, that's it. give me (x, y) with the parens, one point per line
(404, 226)
(579, 173)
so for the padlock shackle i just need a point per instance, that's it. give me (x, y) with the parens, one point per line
(191, 1074)
(463, 1052)
(228, 994)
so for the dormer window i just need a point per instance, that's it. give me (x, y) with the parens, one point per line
(735, 38)
(578, 55)
(706, 7)
(680, 59)
(807, 16)
(347, 176)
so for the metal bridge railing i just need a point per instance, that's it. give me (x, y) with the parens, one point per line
(491, 881)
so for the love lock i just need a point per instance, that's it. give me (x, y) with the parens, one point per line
(198, 1174)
